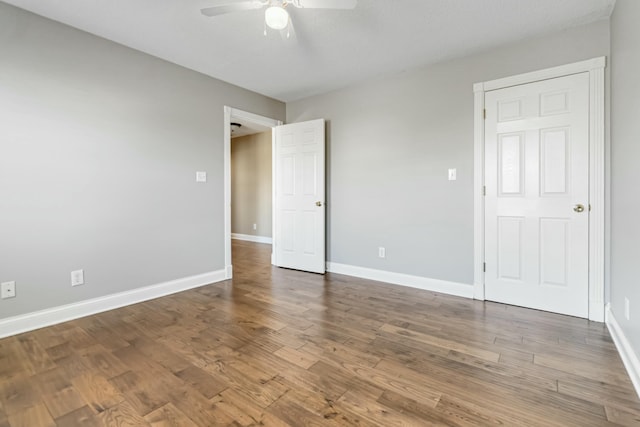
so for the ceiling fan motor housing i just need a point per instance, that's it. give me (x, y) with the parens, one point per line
(276, 17)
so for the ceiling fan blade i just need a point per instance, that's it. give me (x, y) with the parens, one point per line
(328, 4)
(231, 7)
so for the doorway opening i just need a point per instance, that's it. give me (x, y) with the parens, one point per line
(248, 195)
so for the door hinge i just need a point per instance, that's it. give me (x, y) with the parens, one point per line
(484, 267)
(589, 207)
(484, 113)
(484, 190)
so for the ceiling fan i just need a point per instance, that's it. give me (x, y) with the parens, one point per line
(275, 14)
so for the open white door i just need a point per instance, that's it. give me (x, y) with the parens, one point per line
(299, 165)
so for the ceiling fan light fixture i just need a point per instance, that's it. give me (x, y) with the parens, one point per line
(276, 17)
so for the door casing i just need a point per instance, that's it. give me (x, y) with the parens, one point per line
(597, 162)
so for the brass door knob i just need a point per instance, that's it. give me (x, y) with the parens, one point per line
(578, 208)
(318, 203)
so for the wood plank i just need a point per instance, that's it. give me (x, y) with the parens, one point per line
(36, 415)
(4, 422)
(121, 415)
(386, 380)
(62, 402)
(98, 358)
(622, 417)
(97, 391)
(292, 413)
(18, 394)
(38, 358)
(201, 411)
(81, 417)
(169, 416)
(208, 385)
(377, 414)
(441, 342)
(300, 358)
(14, 361)
(243, 410)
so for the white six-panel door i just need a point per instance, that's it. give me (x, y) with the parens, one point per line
(300, 196)
(537, 190)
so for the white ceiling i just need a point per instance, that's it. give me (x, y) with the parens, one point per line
(333, 48)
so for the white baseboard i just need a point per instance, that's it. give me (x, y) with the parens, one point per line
(435, 285)
(51, 316)
(250, 238)
(628, 356)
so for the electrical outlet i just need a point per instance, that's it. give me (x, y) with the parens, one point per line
(77, 278)
(382, 252)
(626, 308)
(8, 290)
(255, 226)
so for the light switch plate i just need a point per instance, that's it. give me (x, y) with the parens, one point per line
(77, 278)
(452, 174)
(201, 176)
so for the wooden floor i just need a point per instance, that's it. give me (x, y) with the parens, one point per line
(276, 347)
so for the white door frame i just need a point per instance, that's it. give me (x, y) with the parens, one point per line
(229, 114)
(595, 68)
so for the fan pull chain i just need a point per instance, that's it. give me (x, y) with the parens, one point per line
(265, 28)
(289, 28)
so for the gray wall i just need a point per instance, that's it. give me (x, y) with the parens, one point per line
(99, 145)
(625, 173)
(251, 194)
(391, 141)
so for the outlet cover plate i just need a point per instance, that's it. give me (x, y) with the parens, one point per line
(8, 290)
(201, 176)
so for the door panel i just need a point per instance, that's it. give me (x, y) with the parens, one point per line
(299, 240)
(510, 248)
(555, 154)
(554, 251)
(536, 172)
(511, 153)
(310, 174)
